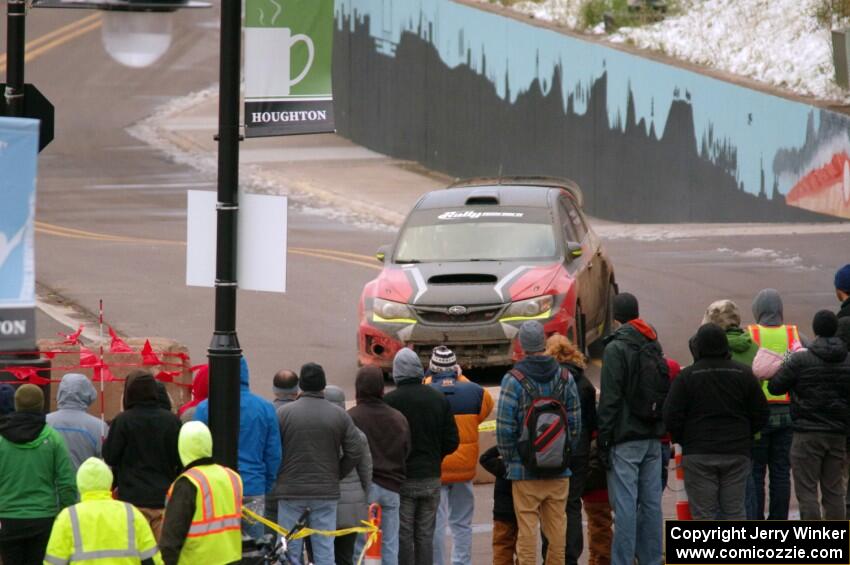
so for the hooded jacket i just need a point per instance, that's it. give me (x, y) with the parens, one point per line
(36, 477)
(141, 446)
(322, 446)
(471, 404)
(716, 405)
(200, 392)
(844, 311)
(354, 487)
(818, 379)
(619, 364)
(102, 522)
(433, 432)
(7, 399)
(195, 446)
(544, 371)
(741, 346)
(82, 432)
(259, 437)
(374, 417)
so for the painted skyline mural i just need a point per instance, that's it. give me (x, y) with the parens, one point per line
(537, 101)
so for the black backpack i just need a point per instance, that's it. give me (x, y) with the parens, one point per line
(544, 443)
(649, 384)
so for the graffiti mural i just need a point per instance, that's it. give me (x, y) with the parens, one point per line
(471, 92)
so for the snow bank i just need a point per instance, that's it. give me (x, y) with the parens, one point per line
(778, 42)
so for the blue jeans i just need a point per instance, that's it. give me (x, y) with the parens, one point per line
(634, 488)
(389, 502)
(771, 454)
(322, 517)
(457, 502)
(257, 505)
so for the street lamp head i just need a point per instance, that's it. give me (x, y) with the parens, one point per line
(123, 5)
(136, 39)
(135, 33)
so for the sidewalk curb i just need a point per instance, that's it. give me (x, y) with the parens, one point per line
(184, 150)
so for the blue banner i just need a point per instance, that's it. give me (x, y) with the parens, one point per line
(18, 167)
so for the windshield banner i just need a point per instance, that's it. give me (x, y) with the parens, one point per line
(288, 52)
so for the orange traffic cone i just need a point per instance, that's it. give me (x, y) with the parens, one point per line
(683, 508)
(373, 552)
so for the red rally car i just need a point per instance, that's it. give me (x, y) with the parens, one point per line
(473, 262)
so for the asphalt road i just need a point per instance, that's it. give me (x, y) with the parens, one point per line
(111, 215)
(96, 178)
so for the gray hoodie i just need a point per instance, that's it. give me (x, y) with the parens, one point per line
(767, 308)
(83, 433)
(354, 487)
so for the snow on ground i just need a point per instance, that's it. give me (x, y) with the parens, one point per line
(778, 42)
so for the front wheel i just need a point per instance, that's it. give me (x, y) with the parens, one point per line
(598, 346)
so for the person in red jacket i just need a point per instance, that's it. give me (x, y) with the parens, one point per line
(470, 405)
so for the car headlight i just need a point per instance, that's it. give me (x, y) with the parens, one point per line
(389, 311)
(531, 309)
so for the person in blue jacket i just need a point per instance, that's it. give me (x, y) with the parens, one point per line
(260, 448)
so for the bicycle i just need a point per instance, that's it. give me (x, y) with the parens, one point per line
(272, 549)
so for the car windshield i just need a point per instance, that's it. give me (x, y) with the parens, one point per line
(470, 235)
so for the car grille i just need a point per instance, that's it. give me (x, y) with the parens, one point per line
(474, 315)
(470, 355)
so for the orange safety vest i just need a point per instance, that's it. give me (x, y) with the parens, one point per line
(215, 533)
(779, 340)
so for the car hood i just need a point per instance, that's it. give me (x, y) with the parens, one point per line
(466, 283)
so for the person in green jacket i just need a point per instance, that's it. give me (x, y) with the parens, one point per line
(725, 314)
(36, 479)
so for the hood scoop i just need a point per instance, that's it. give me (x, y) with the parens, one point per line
(464, 278)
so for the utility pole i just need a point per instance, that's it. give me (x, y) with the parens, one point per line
(224, 352)
(16, 17)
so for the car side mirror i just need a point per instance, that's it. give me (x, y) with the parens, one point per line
(381, 255)
(574, 250)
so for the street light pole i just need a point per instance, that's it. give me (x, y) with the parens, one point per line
(16, 17)
(224, 352)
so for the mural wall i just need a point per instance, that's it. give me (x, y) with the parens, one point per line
(469, 92)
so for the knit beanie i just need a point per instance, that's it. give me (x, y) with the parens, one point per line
(442, 360)
(312, 378)
(532, 338)
(724, 313)
(711, 342)
(825, 324)
(626, 308)
(842, 278)
(29, 398)
(369, 383)
(406, 365)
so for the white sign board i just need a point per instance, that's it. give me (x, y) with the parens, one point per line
(261, 243)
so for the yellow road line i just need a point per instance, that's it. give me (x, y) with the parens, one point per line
(62, 231)
(335, 252)
(57, 37)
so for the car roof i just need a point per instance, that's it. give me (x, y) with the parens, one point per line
(532, 192)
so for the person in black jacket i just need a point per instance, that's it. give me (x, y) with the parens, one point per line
(842, 290)
(504, 519)
(818, 379)
(141, 448)
(433, 435)
(570, 358)
(713, 410)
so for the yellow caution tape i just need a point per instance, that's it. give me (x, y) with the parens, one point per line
(488, 426)
(368, 528)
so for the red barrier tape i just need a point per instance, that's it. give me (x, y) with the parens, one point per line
(100, 370)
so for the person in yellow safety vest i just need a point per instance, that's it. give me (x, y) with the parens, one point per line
(772, 448)
(100, 530)
(203, 509)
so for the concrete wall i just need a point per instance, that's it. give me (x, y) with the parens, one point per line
(469, 92)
